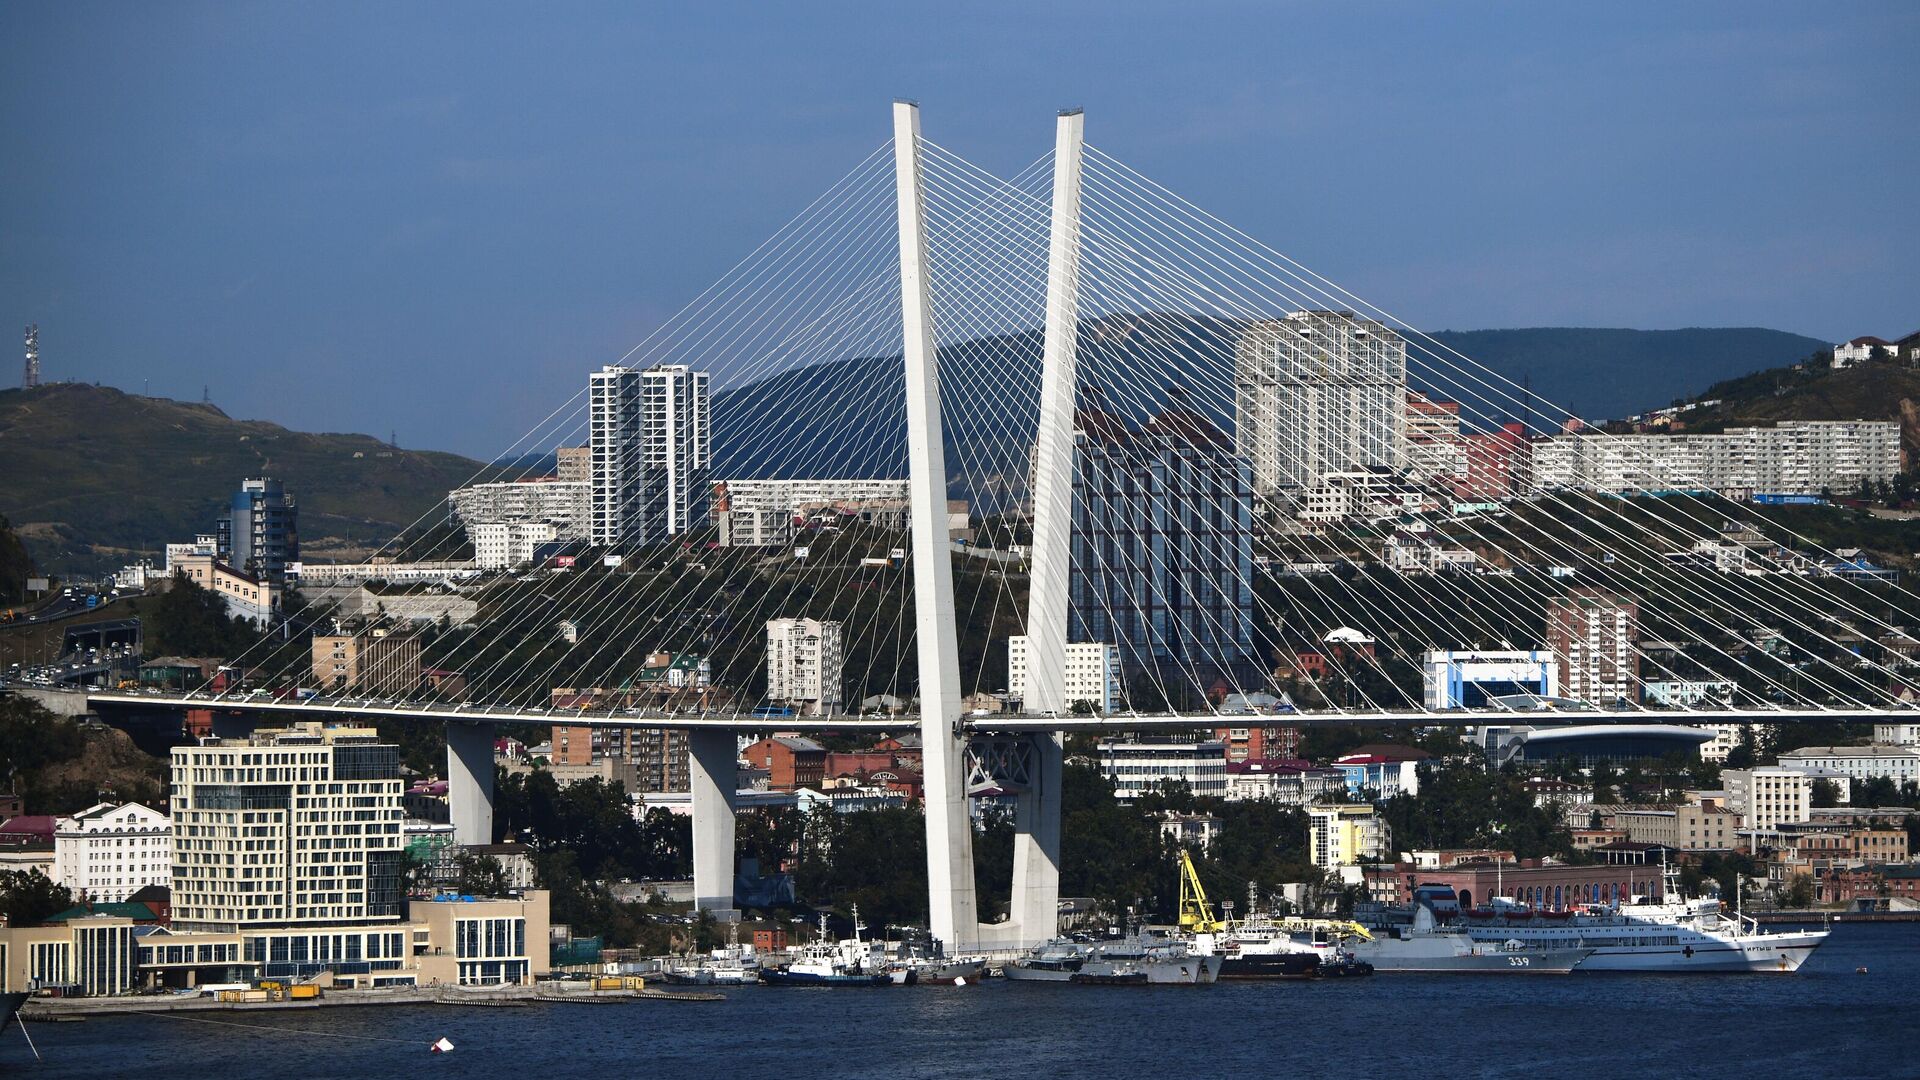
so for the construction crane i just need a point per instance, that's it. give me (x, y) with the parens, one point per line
(1196, 915)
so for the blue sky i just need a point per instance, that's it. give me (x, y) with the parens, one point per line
(437, 218)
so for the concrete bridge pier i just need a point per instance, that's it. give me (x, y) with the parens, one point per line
(711, 757)
(470, 782)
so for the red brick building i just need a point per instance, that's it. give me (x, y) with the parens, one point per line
(1259, 743)
(791, 762)
(1554, 887)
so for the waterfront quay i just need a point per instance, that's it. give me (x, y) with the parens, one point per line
(56, 1010)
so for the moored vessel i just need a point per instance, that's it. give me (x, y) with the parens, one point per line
(1672, 934)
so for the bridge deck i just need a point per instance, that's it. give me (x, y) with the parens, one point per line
(1010, 724)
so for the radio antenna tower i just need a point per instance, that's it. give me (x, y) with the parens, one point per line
(32, 377)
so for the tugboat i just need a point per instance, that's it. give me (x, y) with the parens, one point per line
(825, 962)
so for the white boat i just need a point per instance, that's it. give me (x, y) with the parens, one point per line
(1671, 935)
(732, 964)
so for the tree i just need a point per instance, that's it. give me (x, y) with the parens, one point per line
(1744, 753)
(1823, 793)
(27, 897)
(478, 875)
(1604, 780)
(1800, 891)
(190, 620)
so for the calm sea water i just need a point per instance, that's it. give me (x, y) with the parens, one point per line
(1827, 1020)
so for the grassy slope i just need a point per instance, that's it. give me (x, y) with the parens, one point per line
(91, 473)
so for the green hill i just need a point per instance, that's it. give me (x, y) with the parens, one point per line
(91, 476)
(1877, 390)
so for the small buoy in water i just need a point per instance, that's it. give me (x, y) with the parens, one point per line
(443, 1046)
(1861, 970)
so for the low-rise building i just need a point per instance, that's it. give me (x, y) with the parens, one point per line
(1689, 827)
(792, 762)
(1288, 782)
(1385, 775)
(1470, 678)
(1533, 882)
(1137, 768)
(108, 852)
(1260, 743)
(1901, 764)
(505, 545)
(566, 505)
(248, 596)
(1896, 735)
(1768, 795)
(1189, 830)
(764, 513)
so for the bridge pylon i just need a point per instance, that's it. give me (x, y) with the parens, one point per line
(953, 906)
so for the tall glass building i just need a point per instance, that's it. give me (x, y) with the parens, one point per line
(261, 532)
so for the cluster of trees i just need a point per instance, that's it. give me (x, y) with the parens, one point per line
(191, 620)
(584, 838)
(28, 897)
(1464, 804)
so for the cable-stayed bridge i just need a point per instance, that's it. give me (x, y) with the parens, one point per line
(1123, 425)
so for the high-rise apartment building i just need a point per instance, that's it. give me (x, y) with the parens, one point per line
(1499, 464)
(651, 449)
(1436, 448)
(1318, 393)
(1592, 635)
(260, 534)
(805, 658)
(1347, 834)
(298, 826)
(1162, 547)
(1093, 673)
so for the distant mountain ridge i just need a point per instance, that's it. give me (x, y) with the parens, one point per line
(1595, 373)
(1603, 373)
(90, 475)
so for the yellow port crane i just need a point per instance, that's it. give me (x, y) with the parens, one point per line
(1196, 915)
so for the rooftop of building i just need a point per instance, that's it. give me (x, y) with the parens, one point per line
(121, 910)
(799, 744)
(1386, 752)
(1876, 750)
(28, 826)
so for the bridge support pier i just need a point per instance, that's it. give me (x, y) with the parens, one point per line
(711, 757)
(470, 782)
